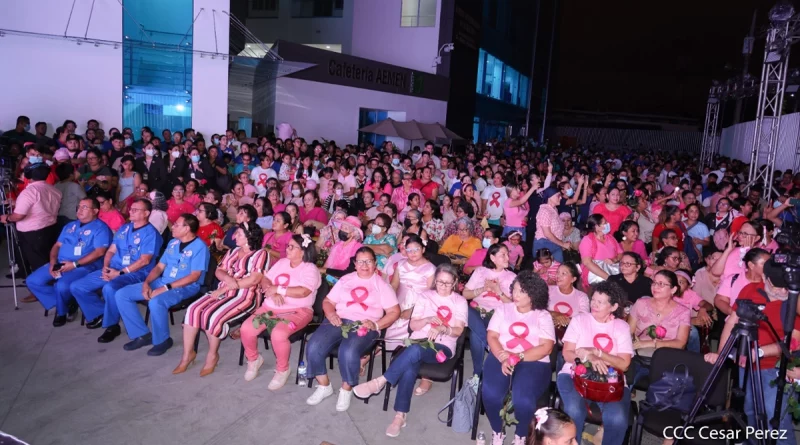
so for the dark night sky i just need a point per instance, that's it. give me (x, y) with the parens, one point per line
(650, 57)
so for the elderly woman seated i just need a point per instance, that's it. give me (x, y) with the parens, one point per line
(349, 239)
(463, 243)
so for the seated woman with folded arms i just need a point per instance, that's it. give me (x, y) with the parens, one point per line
(239, 274)
(290, 289)
(439, 315)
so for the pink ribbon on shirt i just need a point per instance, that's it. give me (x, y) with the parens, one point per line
(359, 296)
(262, 180)
(519, 337)
(445, 314)
(495, 199)
(282, 280)
(609, 344)
(563, 308)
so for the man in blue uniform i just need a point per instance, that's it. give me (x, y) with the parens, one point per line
(177, 276)
(129, 259)
(78, 252)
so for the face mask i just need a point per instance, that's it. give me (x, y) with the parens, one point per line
(34, 159)
(722, 169)
(338, 192)
(176, 154)
(570, 192)
(395, 161)
(215, 141)
(775, 205)
(128, 142)
(195, 158)
(606, 228)
(316, 163)
(624, 178)
(295, 193)
(28, 127)
(343, 235)
(376, 230)
(486, 243)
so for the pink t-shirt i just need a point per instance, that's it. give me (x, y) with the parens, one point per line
(614, 217)
(514, 252)
(690, 299)
(547, 274)
(477, 258)
(304, 275)
(359, 299)
(40, 202)
(731, 285)
(547, 216)
(175, 210)
(520, 332)
(113, 219)
(316, 214)
(515, 216)
(591, 247)
(639, 248)
(488, 300)
(613, 337)
(451, 309)
(277, 243)
(735, 263)
(348, 182)
(646, 317)
(570, 305)
(340, 254)
(771, 247)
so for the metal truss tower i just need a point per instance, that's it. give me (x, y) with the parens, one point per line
(709, 147)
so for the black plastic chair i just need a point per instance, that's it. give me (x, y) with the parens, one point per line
(451, 370)
(300, 335)
(654, 421)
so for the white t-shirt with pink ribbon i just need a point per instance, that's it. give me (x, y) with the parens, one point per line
(613, 337)
(282, 274)
(495, 197)
(522, 331)
(572, 304)
(489, 300)
(451, 309)
(360, 299)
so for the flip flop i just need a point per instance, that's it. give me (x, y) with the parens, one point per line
(419, 390)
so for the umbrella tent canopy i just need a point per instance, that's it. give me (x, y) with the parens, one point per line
(436, 131)
(393, 128)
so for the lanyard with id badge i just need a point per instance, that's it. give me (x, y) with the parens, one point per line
(174, 272)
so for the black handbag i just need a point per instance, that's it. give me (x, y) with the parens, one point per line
(675, 390)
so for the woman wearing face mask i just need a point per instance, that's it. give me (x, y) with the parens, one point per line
(598, 245)
(490, 236)
(413, 224)
(176, 166)
(152, 168)
(336, 194)
(199, 169)
(380, 241)
(349, 237)
(296, 196)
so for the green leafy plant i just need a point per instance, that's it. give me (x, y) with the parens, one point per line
(270, 321)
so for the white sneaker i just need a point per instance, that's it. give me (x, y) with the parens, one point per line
(344, 400)
(278, 380)
(320, 394)
(252, 368)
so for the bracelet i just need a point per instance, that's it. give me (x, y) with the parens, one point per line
(282, 290)
(127, 270)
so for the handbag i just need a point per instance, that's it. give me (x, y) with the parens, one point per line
(610, 269)
(675, 390)
(599, 391)
(463, 409)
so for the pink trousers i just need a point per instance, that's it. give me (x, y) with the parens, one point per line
(279, 336)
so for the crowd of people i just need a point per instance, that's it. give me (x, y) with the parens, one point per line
(524, 248)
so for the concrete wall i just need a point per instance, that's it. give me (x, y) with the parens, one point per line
(210, 76)
(52, 80)
(320, 110)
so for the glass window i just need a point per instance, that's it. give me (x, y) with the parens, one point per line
(493, 77)
(418, 13)
(523, 91)
(476, 128)
(510, 85)
(317, 8)
(264, 8)
(481, 63)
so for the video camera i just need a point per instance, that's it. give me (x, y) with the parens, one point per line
(790, 263)
(749, 311)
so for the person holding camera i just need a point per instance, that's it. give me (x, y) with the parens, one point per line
(773, 294)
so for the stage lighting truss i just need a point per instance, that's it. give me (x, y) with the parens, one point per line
(735, 88)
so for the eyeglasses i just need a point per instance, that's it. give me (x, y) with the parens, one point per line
(137, 210)
(413, 250)
(747, 234)
(85, 207)
(445, 283)
(364, 262)
(660, 284)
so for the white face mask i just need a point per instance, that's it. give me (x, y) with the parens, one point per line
(295, 193)
(176, 154)
(338, 192)
(149, 152)
(486, 243)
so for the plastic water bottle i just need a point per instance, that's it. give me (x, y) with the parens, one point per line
(481, 439)
(612, 377)
(301, 373)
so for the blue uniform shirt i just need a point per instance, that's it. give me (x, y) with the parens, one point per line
(78, 240)
(180, 263)
(132, 243)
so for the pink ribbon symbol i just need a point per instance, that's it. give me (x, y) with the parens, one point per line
(282, 280)
(490, 294)
(519, 337)
(359, 296)
(563, 308)
(609, 342)
(262, 180)
(495, 199)
(445, 314)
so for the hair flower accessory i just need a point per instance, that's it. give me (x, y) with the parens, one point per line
(306, 240)
(541, 417)
(638, 193)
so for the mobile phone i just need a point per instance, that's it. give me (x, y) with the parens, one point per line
(795, 202)
(58, 266)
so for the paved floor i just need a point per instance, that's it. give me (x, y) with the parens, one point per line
(59, 386)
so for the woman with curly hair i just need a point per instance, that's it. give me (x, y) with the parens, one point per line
(602, 338)
(521, 337)
(236, 297)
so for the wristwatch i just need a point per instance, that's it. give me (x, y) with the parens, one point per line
(760, 353)
(168, 286)
(75, 264)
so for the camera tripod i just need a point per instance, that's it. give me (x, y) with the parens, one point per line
(14, 247)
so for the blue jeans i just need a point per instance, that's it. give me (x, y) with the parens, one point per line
(639, 372)
(615, 414)
(159, 308)
(530, 381)
(85, 291)
(544, 243)
(327, 337)
(477, 338)
(509, 229)
(770, 392)
(403, 371)
(55, 293)
(694, 340)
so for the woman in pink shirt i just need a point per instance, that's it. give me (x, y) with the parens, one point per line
(411, 277)
(176, 206)
(488, 289)
(276, 241)
(515, 210)
(603, 339)
(628, 238)
(290, 288)
(549, 227)
(311, 213)
(598, 245)
(349, 240)
(439, 315)
(566, 298)
(362, 296)
(613, 211)
(520, 337)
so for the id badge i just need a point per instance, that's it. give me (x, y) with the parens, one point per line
(173, 273)
(77, 251)
(144, 177)
(192, 176)
(126, 260)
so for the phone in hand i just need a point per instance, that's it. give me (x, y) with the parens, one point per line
(57, 266)
(794, 202)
